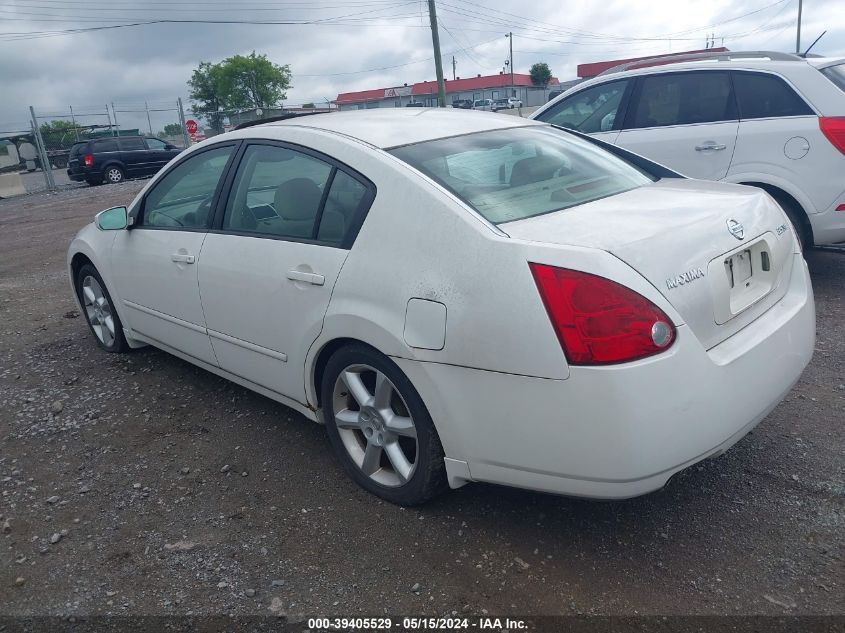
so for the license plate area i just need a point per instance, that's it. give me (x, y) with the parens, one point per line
(741, 278)
(739, 269)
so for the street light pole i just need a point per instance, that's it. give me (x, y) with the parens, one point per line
(438, 63)
(798, 33)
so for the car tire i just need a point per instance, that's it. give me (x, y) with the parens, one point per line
(375, 439)
(98, 308)
(798, 219)
(113, 174)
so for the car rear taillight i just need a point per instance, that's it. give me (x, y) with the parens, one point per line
(834, 129)
(88, 160)
(598, 321)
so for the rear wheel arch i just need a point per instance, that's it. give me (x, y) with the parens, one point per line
(322, 359)
(792, 208)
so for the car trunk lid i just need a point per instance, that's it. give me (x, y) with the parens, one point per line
(720, 254)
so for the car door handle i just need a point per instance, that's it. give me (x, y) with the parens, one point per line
(183, 258)
(710, 147)
(309, 278)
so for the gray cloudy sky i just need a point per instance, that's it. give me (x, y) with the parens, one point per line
(351, 44)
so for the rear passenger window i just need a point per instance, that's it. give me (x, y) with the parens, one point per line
(281, 192)
(343, 205)
(684, 99)
(761, 96)
(277, 192)
(106, 145)
(131, 144)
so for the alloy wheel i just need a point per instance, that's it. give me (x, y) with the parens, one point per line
(375, 425)
(114, 175)
(99, 310)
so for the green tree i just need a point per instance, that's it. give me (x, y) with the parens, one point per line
(58, 134)
(541, 74)
(172, 129)
(239, 82)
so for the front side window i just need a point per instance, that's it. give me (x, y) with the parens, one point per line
(761, 95)
(154, 143)
(513, 174)
(182, 198)
(277, 192)
(684, 99)
(589, 111)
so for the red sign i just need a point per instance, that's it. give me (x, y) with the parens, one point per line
(191, 126)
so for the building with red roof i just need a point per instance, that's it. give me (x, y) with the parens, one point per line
(425, 92)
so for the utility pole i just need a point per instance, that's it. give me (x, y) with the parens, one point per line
(510, 63)
(454, 66)
(798, 33)
(438, 63)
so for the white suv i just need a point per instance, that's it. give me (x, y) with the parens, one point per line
(768, 119)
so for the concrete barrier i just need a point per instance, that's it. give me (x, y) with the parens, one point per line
(11, 185)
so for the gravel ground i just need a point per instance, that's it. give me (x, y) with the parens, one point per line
(139, 484)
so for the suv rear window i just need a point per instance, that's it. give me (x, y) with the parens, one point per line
(761, 96)
(514, 174)
(105, 145)
(836, 74)
(76, 148)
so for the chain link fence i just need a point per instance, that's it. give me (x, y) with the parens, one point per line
(52, 133)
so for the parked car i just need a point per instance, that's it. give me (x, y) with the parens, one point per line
(553, 94)
(464, 104)
(342, 264)
(415, 104)
(506, 104)
(113, 159)
(482, 104)
(772, 120)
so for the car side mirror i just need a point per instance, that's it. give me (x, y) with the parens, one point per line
(114, 219)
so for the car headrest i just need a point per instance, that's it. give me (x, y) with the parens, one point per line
(297, 199)
(534, 169)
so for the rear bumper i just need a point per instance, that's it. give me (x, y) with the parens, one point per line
(81, 176)
(617, 432)
(829, 225)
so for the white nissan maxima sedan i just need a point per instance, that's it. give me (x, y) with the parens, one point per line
(462, 296)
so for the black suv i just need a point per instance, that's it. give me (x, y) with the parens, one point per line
(113, 159)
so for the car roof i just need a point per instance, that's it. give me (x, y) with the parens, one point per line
(393, 127)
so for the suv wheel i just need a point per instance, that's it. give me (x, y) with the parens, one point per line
(114, 174)
(379, 427)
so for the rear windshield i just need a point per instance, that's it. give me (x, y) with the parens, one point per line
(836, 74)
(513, 174)
(76, 148)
